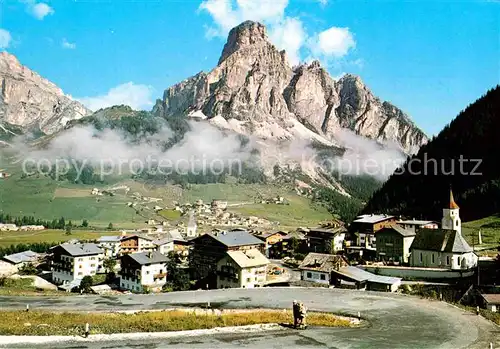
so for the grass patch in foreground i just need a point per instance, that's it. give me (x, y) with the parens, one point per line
(43, 323)
(23, 287)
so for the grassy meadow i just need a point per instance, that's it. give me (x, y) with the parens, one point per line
(45, 198)
(49, 323)
(490, 231)
(8, 238)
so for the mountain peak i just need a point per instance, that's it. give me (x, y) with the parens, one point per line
(31, 102)
(246, 34)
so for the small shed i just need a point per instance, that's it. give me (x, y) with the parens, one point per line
(364, 279)
(491, 302)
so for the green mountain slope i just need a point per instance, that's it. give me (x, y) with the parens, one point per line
(464, 155)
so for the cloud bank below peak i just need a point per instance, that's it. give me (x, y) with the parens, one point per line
(286, 32)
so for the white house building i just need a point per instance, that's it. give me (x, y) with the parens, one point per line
(165, 245)
(110, 245)
(74, 261)
(318, 267)
(144, 271)
(242, 269)
(443, 248)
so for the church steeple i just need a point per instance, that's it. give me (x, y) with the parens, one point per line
(451, 217)
(453, 204)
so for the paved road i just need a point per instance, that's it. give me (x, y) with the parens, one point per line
(395, 321)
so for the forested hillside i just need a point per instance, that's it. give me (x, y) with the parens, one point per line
(464, 155)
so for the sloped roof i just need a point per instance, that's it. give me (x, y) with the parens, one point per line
(140, 236)
(110, 238)
(322, 262)
(236, 238)
(397, 229)
(249, 258)
(442, 240)
(175, 235)
(332, 231)
(491, 298)
(372, 218)
(361, 275)
(144, 258)
(414, 222)
(85, 249)
(164, 241)
(22, 257)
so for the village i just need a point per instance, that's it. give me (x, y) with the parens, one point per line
(376, 252)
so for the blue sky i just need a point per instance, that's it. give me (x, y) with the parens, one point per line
(430, 58)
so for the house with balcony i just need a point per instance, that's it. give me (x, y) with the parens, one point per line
(136, 243)
(325, 240)
(208, 249)
(318, 267)
(143, 271)
(393, 243)
(242, 269)
(72, 262)
(270, 239)
(111, 245)
(365, 227)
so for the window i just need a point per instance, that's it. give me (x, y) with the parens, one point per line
(421, 257)
(309, 275)
(447, 260)
(248, 279)
(322, 277)
(80, 273)
(433, 258)
(147, 272)
(92, 265)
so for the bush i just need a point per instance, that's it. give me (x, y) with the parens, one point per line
(86, 284)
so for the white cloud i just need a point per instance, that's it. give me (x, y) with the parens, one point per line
(136, 96)
(290, 36)
(333, 42)
(38, 10)
(68, 45)
(229, 13)
(286, 32)
(5, 38)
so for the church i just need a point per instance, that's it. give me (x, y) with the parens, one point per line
(443, 248)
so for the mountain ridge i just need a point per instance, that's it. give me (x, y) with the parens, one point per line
(31, 102)
(253, 90)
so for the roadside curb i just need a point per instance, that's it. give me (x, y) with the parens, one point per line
(23, 340)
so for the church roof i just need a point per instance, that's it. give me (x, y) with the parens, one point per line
(453, 204)
(442, 240)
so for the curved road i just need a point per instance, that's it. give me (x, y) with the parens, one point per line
(395, 321)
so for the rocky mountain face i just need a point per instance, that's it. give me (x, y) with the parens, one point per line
(254, 91)
(31, 102)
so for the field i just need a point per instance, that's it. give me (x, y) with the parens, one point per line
(48, 323)
(490, 231)
(47, 199)
(298, 213)
(8, 238)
